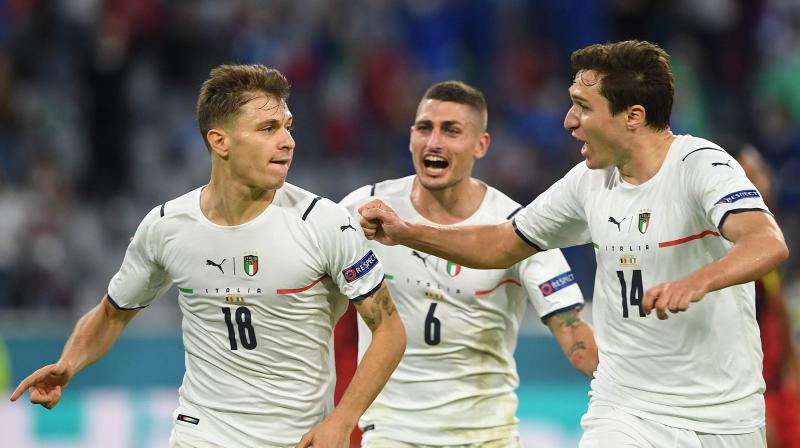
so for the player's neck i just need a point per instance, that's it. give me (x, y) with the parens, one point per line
(450, 205)
(231, 203)
(645, 156)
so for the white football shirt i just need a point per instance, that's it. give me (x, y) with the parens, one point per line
(456, 382)
(698, 370)
(257, 309)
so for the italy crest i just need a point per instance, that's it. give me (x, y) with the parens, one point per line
(644, 221)
(251, 264)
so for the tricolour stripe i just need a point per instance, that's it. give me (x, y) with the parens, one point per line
(296, 290)
(686, 239)
(502, 282)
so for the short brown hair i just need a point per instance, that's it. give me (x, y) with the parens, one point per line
(632, 72)
(458, 92)
(229, 87)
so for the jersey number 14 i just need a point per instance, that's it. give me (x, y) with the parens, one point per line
(637, 292)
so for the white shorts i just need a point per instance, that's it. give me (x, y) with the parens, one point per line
(180, 438)
(378, 442)
(609, 426)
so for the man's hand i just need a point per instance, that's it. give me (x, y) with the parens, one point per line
(45, 385)
(328, 434)
(381, 223)
(673, 296)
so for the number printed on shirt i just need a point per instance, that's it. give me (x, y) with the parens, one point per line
(637, 292)
(244, 322)
(433, 327)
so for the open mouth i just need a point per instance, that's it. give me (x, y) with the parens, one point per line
(436, 162)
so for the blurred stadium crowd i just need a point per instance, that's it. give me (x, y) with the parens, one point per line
(97, 101)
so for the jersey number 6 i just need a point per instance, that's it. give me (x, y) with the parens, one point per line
(433, 327)
(247, 334)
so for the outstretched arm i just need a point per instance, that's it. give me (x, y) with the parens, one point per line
(576, 339)
(92, 337)
(379, 361)
(758, 248)
(481, 247)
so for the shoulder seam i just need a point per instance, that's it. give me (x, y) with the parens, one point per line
(514, 212)
(308, 210)
(700, 149)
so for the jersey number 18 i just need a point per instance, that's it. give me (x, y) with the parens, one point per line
(244, 322)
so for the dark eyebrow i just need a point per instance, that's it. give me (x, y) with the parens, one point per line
(578, 98)
(269, 122)
(451, 123)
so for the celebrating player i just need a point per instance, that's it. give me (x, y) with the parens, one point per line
(677, 228)
(255, 260)
(455, 385)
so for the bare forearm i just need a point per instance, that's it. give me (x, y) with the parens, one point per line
(750, 258)
(479, 247)
(93, 336)
(583, 351)
(576, 339)
(379, 361)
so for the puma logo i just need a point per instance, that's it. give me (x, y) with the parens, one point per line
(424, 259)
(614, 221)
(724, 164)
(348, 226)
(217, 265)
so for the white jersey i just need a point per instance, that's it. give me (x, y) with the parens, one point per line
(698, 370)
(456, 382)
(257, 309)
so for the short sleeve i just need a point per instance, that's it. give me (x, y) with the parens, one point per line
(550, 283)
(721, 187)
(556, 218)
(141, 279)
(354, 267)
(355, 198)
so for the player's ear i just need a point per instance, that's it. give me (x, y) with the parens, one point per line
(482, 146)
(635, 117)
(218, 142)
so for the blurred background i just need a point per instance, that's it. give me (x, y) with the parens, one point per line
(97, 126)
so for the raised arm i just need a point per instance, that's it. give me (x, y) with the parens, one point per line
(576, 339)
(92, 337)
(481, 247)
(758, 248)
(381, 358)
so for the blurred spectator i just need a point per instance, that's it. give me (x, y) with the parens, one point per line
(95, 122)
(781, 362)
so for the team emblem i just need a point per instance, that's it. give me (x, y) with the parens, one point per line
(644, 221)
(251, 264)
(453, 269)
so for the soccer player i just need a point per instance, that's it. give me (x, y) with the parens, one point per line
(256, 261)
(677, 228)
(455, 385)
